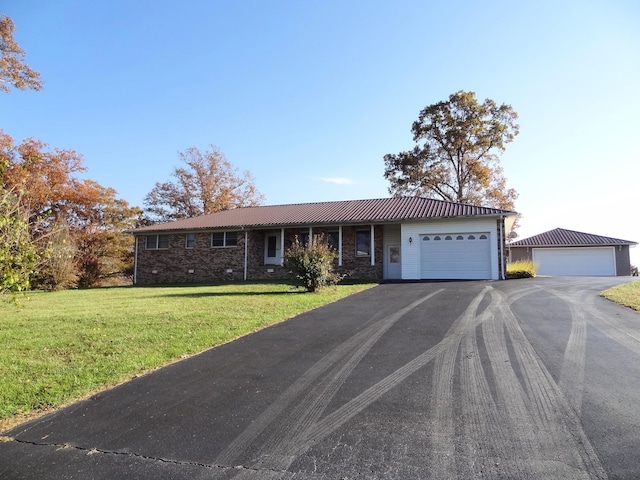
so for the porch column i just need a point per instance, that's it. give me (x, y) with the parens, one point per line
(340, 245)
(373, 246)
(282, 247)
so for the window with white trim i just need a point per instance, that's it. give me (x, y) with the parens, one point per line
(190, 240)
(156, 242)
(224, 239)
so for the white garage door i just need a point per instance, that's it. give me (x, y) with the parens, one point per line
(455, 256)
(597, 261)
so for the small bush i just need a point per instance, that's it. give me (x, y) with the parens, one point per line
(313, 263)
(634, 271)
(521, 269)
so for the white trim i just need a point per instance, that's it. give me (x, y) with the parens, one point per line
(339, 245)
(282, 247)
(372, 244)
(501, 247)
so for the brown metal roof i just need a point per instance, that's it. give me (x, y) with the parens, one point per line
(329, 213)
(568, 238)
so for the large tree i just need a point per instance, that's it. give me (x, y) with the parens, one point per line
(68, 214)
(207, 183)
(456, 156)
(48, 181)
(104, 251)
(13, 69)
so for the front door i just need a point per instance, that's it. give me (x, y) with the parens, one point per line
(272, 250)
(393, 263)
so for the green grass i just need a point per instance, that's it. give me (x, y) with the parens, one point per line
(521, 269)
(627, 294)
(64, 345)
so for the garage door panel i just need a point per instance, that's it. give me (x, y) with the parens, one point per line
(455, 256)
(575, 261)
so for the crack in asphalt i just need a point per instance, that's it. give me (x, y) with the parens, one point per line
(94, 451)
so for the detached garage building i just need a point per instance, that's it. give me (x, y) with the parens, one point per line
(567, 252)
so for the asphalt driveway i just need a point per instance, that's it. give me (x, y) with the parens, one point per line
(536, 378)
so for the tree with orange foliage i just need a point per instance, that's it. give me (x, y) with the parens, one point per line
(57, 201)
(47, 180)
(104, 251)
(13, 69)
(209, 183)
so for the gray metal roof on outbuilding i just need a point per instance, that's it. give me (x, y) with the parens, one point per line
(568, 238)
(330, 213)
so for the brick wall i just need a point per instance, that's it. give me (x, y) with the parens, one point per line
(173, 265)
(204, 264)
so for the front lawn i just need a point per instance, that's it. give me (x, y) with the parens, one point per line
(63, 345)
(627, 294)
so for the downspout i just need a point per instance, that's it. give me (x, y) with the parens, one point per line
(246, 253)
(135, 261)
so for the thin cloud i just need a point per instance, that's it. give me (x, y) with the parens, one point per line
(338, 180)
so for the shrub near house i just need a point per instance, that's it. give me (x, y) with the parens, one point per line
(313, 263)
(521, 269)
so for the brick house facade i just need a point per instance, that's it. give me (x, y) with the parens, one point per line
(204, 263)
(379, 239)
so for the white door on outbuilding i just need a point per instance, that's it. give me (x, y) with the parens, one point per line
(456, 256)
(575, 261)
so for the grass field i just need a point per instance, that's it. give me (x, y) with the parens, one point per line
(627, 294)
(64, 345)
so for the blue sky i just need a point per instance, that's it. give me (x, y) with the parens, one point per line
(309, 96)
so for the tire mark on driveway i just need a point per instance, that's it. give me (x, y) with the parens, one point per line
(624, 335)
(559, 434)
(487, 438)
(525, 428)
(571, 380)
(346, 412)
(441, 429)
(350, 352)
